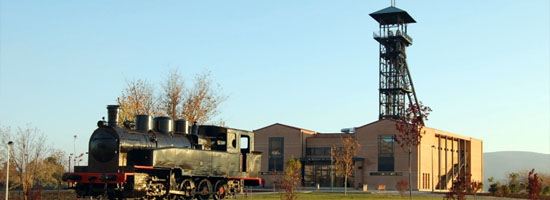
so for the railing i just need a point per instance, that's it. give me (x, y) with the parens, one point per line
(391, 34)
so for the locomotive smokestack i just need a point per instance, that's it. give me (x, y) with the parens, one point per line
(112, 113)
(163, 124)
(181, 126)
(143, 123)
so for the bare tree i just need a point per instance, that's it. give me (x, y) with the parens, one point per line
(342, 157)
(172, 95)
(5, 136)
(410, 131)
(28, 152)
(201, 102)
(136, 98)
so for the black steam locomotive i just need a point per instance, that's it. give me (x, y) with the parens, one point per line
(149, 160)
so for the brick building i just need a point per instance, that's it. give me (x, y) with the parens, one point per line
(439, 159)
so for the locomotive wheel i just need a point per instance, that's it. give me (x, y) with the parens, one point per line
(204, 189)
(187, 186)
(220, 190)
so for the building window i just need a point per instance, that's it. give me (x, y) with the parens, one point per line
(385, 153)
(426, 181)
(276, 153)
(324, 175)
(318, 151)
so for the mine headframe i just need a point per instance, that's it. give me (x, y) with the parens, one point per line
(395, 78)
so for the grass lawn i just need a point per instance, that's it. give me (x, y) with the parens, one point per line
(317, 196)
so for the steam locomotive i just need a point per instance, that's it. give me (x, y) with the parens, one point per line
(149, 160)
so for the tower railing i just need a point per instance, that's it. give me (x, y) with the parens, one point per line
(378, 35)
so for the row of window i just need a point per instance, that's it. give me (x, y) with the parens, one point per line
(318, 151)
(385, 153)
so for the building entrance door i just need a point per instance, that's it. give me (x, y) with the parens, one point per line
(322, 175)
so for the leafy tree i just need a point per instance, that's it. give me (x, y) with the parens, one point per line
(171, 98)
(54, 170)
(522, 188)
(546, 190)
(505, 190)
(342, 157)
(137, 98)
(513, 183)
(459, 188)
(292, 178)
(410, 132)
(494, 188)
(201, 102)
(474, 187)
(534, 185)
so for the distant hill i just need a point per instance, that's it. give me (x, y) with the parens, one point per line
(500, 164)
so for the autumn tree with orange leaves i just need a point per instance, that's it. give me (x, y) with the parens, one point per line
(201, 102)
(198, 103)
(410, 131)
(171, 99)
(136, 99)
(342, 158)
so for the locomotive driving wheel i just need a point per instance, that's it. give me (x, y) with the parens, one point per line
(187, 186)
(185, 190)
(204, 189)
(220, 190)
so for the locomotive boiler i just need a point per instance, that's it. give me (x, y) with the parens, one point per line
(162, 159)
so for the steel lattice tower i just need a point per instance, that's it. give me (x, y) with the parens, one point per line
(395, 79)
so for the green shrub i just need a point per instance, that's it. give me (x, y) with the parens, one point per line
(546, 191)
(505, 190)
(522, 188)
(514, 188)
(493, 188)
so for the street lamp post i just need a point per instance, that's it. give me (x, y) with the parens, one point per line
(70, 157)
(10, 143)
(74, 150)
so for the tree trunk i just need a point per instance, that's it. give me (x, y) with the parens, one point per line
(58, 192)
(410, 177)
(25, 191)
(345, 185)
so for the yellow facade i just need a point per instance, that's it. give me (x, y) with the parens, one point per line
(440, 157)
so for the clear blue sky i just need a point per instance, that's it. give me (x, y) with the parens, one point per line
(483, 66)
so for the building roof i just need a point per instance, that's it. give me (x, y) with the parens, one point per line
(392, 15)
(288, 126)
(437, 131)
(374, 122)
(331, 135)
